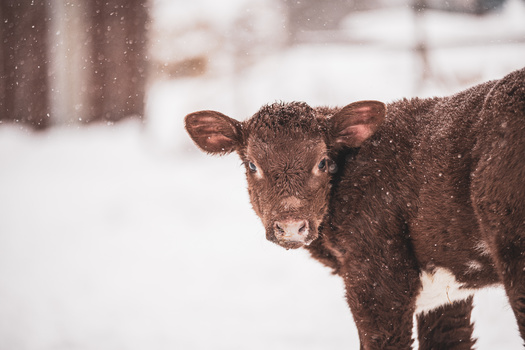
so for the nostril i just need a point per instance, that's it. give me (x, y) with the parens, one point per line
(278, 228)
(304, 227)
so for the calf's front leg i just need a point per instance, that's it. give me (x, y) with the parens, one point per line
(382, 306)
(447, 327)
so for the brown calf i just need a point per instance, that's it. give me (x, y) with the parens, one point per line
(415, 204)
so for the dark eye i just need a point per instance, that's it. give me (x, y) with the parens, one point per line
(252, 167)
(322, 165)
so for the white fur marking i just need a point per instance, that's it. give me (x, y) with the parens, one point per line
(473, 266)
(291, 203)
(483, 248)
(440, 288)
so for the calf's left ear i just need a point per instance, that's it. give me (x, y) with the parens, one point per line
(356, 122)
(213, 132)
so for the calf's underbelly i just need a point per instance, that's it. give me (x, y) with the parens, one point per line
(440, 287)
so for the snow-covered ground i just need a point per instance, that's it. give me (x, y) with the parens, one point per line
(126, 237)
(107, 243)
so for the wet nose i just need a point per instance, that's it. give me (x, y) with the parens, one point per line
(291, 230)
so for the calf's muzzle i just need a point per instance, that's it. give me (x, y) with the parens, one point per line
(291, 230)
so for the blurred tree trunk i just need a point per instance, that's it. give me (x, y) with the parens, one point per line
(118, 58)
(23, 62)
(70, 61)
(421, 48)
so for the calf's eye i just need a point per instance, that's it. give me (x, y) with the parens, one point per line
(322, 165)
(252, 167)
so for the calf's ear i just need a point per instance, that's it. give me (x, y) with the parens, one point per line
(356, 122)
(213, 132)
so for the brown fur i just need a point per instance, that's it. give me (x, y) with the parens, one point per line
(447, 327)
(382, 197)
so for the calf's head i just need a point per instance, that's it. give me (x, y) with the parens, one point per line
(288, 151)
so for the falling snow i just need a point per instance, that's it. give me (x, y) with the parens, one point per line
(124, 236)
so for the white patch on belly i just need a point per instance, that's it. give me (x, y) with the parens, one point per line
(440, 288)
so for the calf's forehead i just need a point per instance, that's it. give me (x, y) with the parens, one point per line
(286, 120)
(285, 130)
(292, 151)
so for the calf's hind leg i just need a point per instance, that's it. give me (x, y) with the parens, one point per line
(512, 266)
(507, 246)
(446, 328)
(508, 250)
(498, 186)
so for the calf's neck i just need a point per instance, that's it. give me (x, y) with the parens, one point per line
(416, 204)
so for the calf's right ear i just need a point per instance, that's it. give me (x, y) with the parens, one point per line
(213, 132)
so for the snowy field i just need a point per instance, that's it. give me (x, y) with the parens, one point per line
(126, 237)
